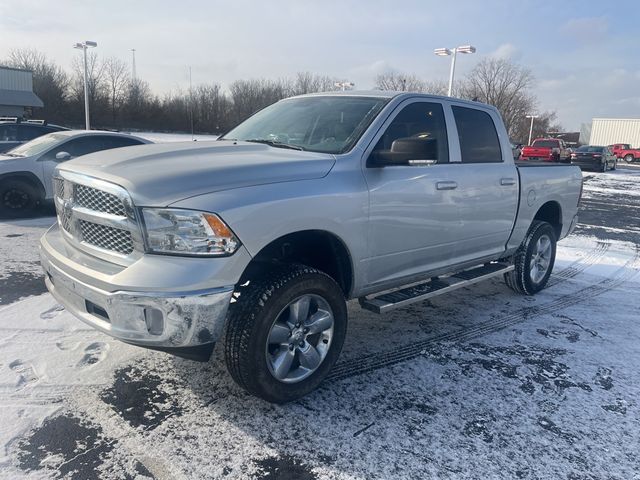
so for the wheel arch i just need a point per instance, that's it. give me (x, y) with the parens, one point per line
(28, 177)
(551, 212)
(320, 249)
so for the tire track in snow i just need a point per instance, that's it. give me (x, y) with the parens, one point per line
(579, 266)
(413, 350)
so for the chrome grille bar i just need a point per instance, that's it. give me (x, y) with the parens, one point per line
(98, 217)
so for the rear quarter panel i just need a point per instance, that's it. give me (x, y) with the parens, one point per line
(540, 184)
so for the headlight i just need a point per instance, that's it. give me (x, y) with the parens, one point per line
(187, 232)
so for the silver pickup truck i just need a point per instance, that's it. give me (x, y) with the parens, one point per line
(259, 239)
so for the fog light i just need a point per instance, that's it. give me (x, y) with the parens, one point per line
(154, 319)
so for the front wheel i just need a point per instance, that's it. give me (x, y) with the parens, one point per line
(17, 198)
(629, 158)
(534, 260)
(285, 332)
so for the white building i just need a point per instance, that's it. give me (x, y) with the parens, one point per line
(16, 92)
(607, 131)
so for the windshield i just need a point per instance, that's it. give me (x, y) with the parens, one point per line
(319, 124)
(546, 143)
(589, 149)
(37, 145)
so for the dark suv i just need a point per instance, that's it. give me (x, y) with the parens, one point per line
(15, 132)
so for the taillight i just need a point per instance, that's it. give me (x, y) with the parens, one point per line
(596, 155)
(573, 155)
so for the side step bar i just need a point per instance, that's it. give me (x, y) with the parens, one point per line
(416, 293)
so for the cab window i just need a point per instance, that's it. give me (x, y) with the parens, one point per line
(478, 136)
(419, 131)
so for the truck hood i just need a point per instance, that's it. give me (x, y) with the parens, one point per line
(162, 174)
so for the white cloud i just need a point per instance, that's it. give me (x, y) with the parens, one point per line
(505, 51)
(586, 29)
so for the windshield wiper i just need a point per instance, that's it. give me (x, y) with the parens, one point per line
(273, 143)
(12, 154)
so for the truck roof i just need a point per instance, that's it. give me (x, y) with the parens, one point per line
(392, 94)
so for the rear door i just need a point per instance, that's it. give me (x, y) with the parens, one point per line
(487, 184)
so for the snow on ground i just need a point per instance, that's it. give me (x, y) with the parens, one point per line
(481, 383)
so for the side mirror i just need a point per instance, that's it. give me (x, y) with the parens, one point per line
(63, 156)
(406, 151)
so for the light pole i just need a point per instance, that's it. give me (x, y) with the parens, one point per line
(531, 128)
(133, 64)
(445, 52)
(84, 46)
(344, 85)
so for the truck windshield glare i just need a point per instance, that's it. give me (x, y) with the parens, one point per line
(318, 124)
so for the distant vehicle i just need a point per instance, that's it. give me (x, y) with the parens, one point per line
(547, 150)
(516, 149)
(625, 152)
(26, 171)
(595, 158)
(14, 132)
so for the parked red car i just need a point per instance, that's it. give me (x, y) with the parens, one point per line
(547, 150)
(625, 152)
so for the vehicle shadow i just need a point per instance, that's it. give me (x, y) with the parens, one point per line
(45, 210)
(347, 415)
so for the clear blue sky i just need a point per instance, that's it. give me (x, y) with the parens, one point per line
(583, 53)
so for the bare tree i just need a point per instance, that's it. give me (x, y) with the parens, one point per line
(401, 82)
(307, 82)
(505, 85)
(544, 124)
(98, 95)
(249, 96)
(50, 82)
(116, 74)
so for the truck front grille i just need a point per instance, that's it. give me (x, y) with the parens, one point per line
(108, 238)
(100, 201)
(58, 185)
(97, 217)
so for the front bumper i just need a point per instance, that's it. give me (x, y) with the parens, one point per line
(186, 323)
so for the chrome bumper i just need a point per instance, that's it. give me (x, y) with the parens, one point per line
(171, 321)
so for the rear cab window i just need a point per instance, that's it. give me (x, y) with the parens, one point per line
(478, 136)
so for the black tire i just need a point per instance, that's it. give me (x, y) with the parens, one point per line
(615, 163)
(519, 279)
(17, 198)
(254, 313)
(629, 158)
(603, 167)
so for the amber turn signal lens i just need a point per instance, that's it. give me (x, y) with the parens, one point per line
(218, 227)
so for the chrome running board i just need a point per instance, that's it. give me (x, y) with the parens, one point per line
(402, 297)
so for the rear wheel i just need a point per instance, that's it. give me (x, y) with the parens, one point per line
(17, 198)
(285, 332)
(629, 158)
(534, 260)
(604, 167)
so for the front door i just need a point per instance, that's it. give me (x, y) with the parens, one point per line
(413, 213)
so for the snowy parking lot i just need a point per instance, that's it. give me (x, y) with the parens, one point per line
(481, 383)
